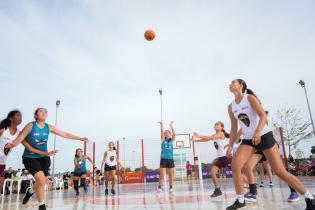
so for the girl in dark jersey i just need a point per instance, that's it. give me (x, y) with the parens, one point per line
(222, 160)
(36, 134)
(247, 111)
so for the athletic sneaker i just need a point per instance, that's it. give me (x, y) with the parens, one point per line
(86, 190)
(261, 184)
(271, 184)
(42, 207)
(310, 204)
(106, 191)
(217, 192)
(294, 197)
(159, 190)
(236, 205)
(77, 194)
(27, 196)
(113, 192)
(171, 190)
(250, 197)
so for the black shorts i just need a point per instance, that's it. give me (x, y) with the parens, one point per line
(222, 162)
(34, 165)
(110, 168)
(2, 168)
(79, 173)
(167, 163)
(267, 141)
(189, 172)
(263, 158)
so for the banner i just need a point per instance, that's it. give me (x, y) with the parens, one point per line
(152, 176)
(131, 178)
(206, 173)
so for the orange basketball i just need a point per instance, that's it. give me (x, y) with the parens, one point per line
(149, 35)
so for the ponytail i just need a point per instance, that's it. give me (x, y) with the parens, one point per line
(5, 123)
(245, 89)
(226, 134)
(250, 92)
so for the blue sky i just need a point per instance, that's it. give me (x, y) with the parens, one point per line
(92, 56)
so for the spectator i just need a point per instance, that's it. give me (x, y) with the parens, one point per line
(291, 159)
(189, 170)
(67, 180)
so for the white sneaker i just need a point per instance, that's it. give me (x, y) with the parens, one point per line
(171, 191)
(159, 190)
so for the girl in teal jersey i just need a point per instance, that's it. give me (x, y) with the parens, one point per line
(36, 134)
(167, 159)
(80, 171)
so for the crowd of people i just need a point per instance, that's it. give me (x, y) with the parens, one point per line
(301, 167)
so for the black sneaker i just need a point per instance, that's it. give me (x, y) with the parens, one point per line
(217, 192)
(27, 196)
(106, 191)
(310, 204)
(42, 207)
(113, 192)
(236, 205)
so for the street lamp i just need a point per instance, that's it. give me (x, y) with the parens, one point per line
(124, 139)
(56, 119)
(134, 160)
(302, 83)
(161, 92)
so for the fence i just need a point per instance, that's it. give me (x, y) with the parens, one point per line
(141, 158)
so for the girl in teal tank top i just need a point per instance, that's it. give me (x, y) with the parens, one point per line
(80, 171)
(35, 135)
(167, 159)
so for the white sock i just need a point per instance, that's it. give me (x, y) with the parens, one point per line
(41, 203)
(31, 190)
(308, 195)
(240, 198)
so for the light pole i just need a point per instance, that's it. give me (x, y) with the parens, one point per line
(302, 83)
(56, 119)
(161, 101)
(124, 139)
(134, 160)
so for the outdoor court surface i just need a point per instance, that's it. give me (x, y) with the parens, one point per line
(187, 195)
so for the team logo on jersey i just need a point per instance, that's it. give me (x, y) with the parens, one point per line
(244, 118)
(41, 142)
(112, 158)
(216, 145)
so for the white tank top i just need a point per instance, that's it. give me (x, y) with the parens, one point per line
(247, 118)
(236, 145)
(5, 138)
(111, 158)
(219, 146)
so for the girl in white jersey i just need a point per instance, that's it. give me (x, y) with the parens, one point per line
(110, 160)
(222, 160)
(8, 133)
(249, 113)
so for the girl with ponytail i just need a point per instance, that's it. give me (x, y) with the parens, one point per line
(247, 111)
(222, 160)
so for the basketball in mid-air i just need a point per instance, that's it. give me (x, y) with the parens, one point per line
(149, 35)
